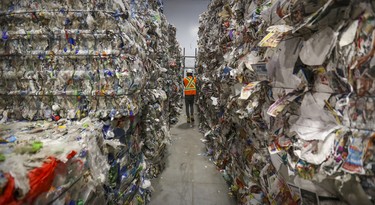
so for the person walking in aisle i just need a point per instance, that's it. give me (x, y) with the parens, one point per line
(190, 92)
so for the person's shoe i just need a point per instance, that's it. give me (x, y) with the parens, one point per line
(192, 119)
(188, 119)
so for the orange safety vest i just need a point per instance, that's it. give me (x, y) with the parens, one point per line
(190, 88)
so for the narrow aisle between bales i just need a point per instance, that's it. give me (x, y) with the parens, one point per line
(189, 177)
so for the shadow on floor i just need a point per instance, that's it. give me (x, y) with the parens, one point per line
(184, 126)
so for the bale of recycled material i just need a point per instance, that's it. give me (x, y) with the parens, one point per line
(70, 68)
(287, 99)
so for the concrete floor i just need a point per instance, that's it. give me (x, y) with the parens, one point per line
(189, 178)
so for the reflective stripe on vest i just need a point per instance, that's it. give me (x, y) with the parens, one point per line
(190, 85)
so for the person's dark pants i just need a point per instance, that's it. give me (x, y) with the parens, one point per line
(189, 104)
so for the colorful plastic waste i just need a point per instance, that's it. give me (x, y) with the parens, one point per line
(88, 92)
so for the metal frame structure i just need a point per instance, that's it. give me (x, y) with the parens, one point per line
(184, 57)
